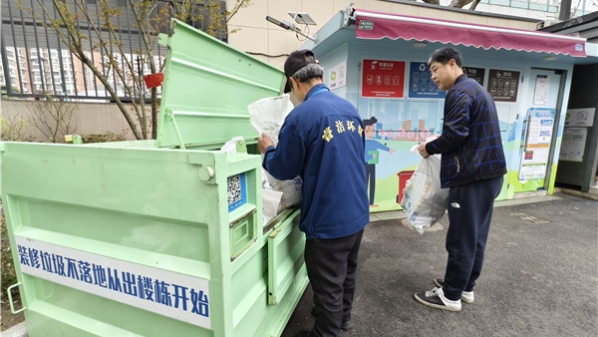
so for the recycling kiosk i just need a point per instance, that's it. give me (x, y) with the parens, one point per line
(158, 238)
(378, 62)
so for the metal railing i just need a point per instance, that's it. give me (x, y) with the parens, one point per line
(578, 7)
(36, 62)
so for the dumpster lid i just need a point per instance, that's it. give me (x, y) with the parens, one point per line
(207, 88)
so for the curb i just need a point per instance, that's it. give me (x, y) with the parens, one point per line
(19, 330)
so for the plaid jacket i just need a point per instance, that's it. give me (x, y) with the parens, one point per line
(470, 143)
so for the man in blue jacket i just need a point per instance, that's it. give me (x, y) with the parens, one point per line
(322, 141)
(473, 165)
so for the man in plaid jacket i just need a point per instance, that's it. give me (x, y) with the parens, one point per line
(473, 165)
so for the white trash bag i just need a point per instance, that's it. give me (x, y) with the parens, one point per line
(231, 145)
(424, 200)
(267, 116)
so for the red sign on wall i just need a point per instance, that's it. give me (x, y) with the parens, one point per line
(383, 79)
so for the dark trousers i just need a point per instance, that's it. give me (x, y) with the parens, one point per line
(332, 267)
(370, 174)
(470, 212)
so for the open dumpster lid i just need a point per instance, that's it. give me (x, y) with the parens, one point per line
(377, 25)
(207, 87)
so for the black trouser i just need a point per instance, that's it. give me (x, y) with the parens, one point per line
(370, 174)
(470, 212)
(332, 267)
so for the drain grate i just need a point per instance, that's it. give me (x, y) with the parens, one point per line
(530, 218)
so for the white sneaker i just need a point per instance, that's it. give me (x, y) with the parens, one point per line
(435, 299)
(466, 296)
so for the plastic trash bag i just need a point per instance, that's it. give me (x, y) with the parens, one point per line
(424, 200)
(267, 116)
(270, 204)
(231, 145)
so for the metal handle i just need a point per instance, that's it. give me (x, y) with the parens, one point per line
(12, 306)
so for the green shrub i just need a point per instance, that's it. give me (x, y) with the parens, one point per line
(13, 129)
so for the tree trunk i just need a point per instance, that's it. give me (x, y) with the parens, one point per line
(459, 3)
(154, 113)
(474, 5)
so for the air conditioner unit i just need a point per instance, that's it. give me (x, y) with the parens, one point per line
(546, 23)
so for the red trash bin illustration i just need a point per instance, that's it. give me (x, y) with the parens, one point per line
(403, 177)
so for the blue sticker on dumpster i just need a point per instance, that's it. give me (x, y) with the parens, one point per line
(237, 191)
(167, 293)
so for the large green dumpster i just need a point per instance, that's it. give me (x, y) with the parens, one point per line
(158, 238)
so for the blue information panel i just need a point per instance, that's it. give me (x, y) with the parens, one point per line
(421, 84)
(237, 191)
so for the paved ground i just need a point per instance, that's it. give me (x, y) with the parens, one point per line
(539, 279)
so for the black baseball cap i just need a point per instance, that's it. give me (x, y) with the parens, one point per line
(294, 63)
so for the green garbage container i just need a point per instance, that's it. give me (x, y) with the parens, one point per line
(158, 238)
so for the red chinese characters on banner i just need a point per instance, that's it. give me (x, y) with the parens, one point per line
(383, 79)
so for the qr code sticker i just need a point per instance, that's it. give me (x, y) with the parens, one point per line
(234, 189)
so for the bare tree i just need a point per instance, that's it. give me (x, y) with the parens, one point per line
(150, 18)
(53, 117)
(587, 5)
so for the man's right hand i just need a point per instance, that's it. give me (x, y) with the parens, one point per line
(263, 143)
(422, 150)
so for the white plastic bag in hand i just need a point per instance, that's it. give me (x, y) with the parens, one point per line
(424, 200)
(267, 116)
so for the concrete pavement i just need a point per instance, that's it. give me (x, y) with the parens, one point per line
(19, 330)
(540, 277)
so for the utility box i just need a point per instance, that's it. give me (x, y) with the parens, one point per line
(158, 238)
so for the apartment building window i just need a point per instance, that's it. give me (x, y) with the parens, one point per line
(537, 5)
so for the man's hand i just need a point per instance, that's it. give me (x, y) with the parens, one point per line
(263, 143)
(422, 150)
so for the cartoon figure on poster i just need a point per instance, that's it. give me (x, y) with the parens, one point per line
(372, 155)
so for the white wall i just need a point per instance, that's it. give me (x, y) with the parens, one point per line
(90, 118)
(256, 35)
